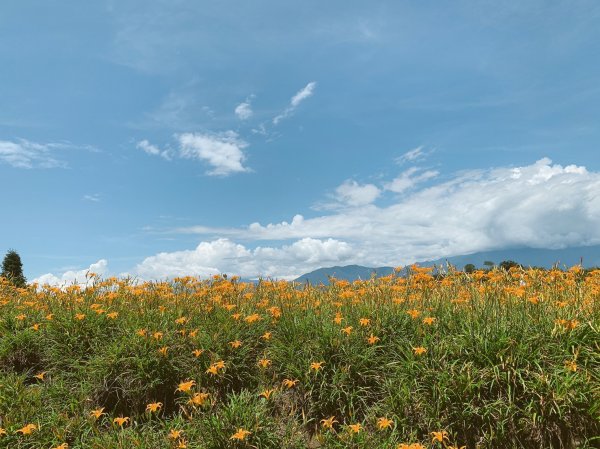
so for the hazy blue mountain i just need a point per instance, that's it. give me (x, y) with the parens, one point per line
(349, 272)
(567, 257)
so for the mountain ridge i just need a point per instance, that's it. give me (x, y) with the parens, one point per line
(589, 256)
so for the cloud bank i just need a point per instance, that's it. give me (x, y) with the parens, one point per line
(74, 276)
(542, 205)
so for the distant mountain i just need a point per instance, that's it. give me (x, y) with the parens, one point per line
(529, 257)
(349, 272)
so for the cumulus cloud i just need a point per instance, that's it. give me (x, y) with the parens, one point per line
(223, 152)
(73, 276)
(304, 93)
(153, 150)
(225, 256)
(542, 205)
(351, 193)
(244, 110)
(24, 153)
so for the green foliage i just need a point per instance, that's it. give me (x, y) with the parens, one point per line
(508, 264)
(12, 269)
(469, 268)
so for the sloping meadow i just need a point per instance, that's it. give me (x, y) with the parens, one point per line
(481, 360)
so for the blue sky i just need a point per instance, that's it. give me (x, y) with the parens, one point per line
(159, 138)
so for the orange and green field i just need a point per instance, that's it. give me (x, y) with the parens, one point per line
(494, 359)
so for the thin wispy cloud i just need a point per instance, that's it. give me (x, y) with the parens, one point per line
(414, 155)
(304, 93)
(153, 150)
(94, 198)
(26, 154)
(409, 179)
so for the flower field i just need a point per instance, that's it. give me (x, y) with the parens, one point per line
(491, 359)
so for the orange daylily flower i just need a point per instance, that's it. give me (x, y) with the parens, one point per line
(198, 398)
(328, 423)
(97, 413)
(267, 393)
(263, 363)
(439, 436)
(420, 350)
(121, 420)
(153, 407)
(27, 429)
(288, 383)
(316, 366)
(384, 423)
(186, 386)
(355, 428)
(174, 434)
(240, 435)
(414, 313)
(372, 339)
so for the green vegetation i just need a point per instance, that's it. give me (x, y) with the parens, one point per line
(488, 359)
(12, 269)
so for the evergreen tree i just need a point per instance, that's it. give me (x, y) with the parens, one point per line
(12, 269)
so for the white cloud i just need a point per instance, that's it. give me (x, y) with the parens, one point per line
(304, 93)
(23, 153)
(224, 256)
(95, 197)
(73, 276)
(351, 193)
(244, 110)
(413, 155)
(153, 150)
(540, 205)
(223, 152)
(408, 179)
